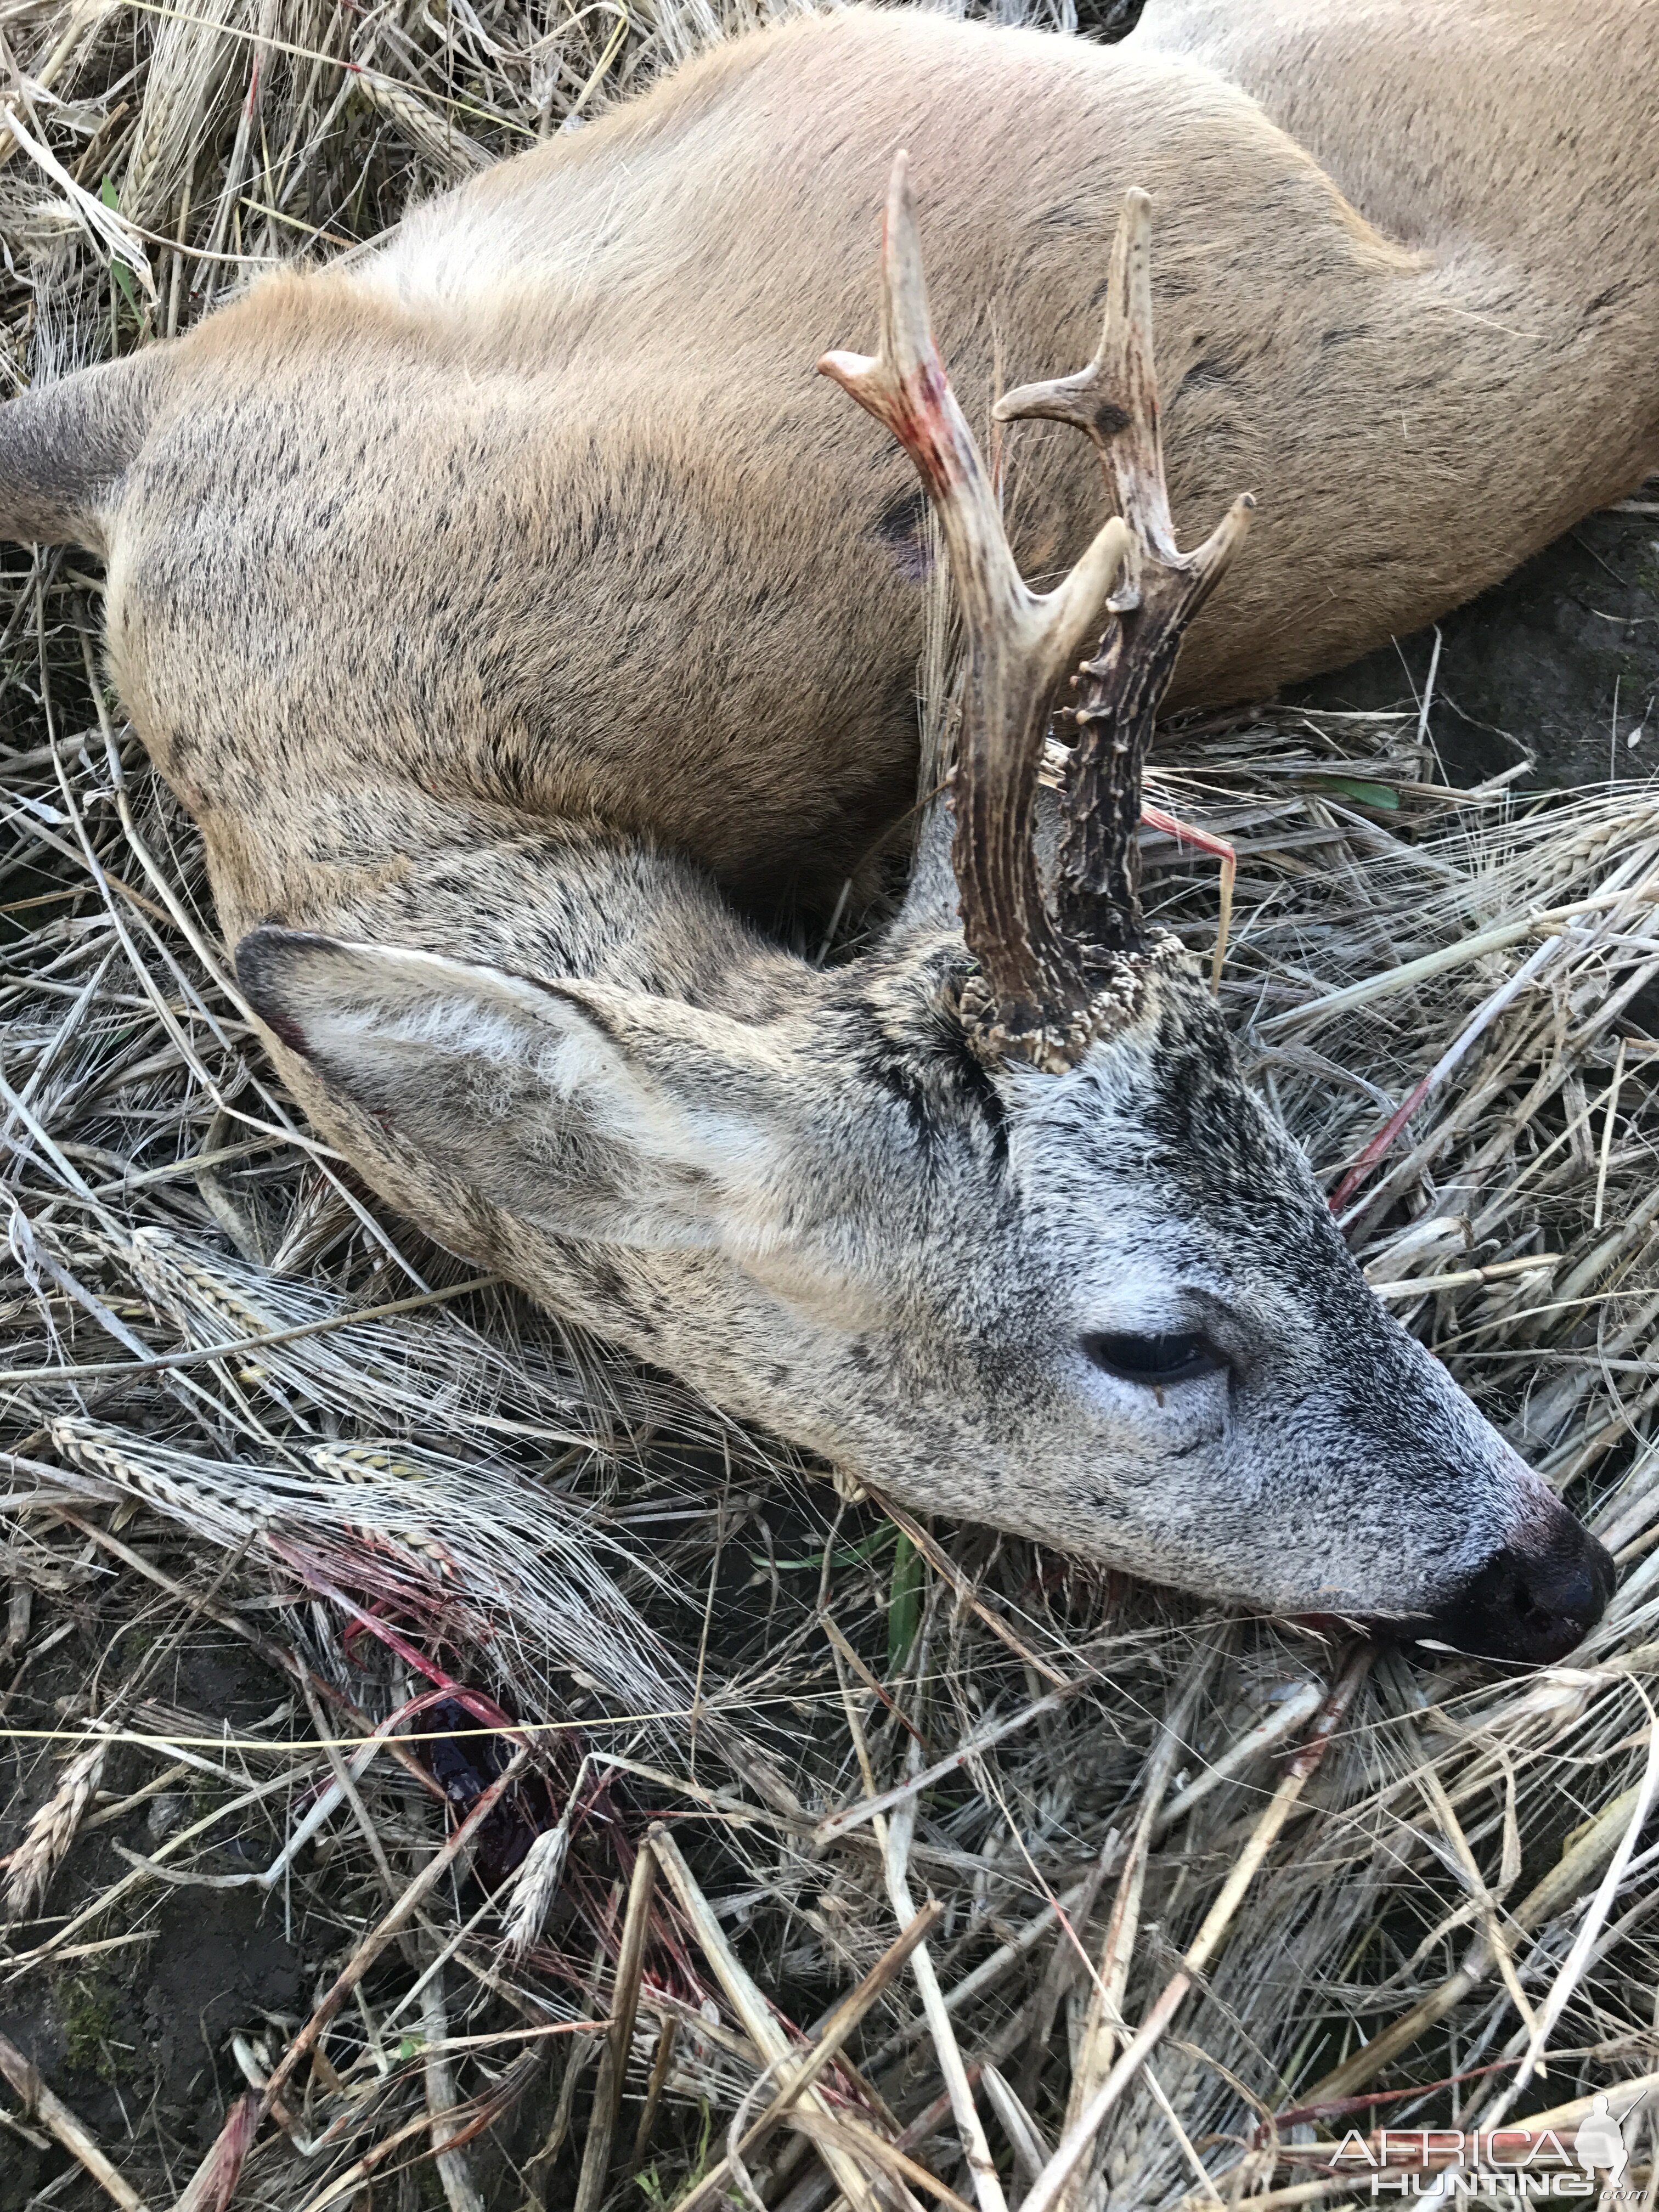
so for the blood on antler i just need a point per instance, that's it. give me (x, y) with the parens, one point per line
(1049, 983)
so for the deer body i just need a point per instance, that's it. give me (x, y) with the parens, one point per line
(607, 552)
(515, 611)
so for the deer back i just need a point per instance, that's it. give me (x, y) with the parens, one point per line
(539, 510)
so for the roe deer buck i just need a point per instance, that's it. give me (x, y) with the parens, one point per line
(511, 611)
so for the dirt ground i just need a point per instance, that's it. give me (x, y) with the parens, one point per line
(1558, 666)
(137, 2038)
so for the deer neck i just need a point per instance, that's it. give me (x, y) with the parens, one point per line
(569, 901)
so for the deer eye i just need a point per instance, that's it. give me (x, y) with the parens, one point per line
(1155, 1360)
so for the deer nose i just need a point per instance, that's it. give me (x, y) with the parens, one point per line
(1532, 1600)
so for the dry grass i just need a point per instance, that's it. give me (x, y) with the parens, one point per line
(246, 1411)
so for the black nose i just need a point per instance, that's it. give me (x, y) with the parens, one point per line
(1534, 1600)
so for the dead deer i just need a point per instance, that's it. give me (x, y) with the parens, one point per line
(510, 611)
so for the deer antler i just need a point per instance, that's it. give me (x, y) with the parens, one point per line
(1048, 985)
(1020, 644)
(1113, 401)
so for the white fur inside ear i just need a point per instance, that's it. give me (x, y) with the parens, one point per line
(373, 1018)
(678, 1128)
(488, 1017)
(473, 1063)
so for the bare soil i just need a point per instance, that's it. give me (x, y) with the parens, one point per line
(1557, 667)
(135, 2039)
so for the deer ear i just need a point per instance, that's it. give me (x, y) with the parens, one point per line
(65, 449)
(593, 1112)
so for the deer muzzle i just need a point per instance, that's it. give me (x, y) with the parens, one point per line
(1536, 1598)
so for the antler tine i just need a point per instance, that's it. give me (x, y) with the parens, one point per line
(1019, 646)
(1113, 401)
